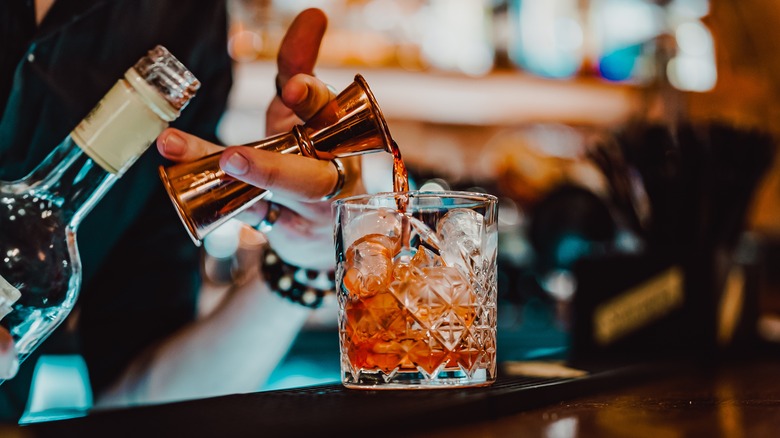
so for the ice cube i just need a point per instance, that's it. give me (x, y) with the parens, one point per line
(407, 266)
(425, 258)
(460, 233)
(424, 235)
(369, 265)
(403, 271)
(382, 221)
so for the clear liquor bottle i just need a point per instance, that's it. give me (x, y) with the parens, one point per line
(40, 269)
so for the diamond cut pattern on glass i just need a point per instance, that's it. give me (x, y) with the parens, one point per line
(434, 316)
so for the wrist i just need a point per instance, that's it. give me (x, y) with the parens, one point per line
(307, 287)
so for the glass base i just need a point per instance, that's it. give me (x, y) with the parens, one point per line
(374, 380)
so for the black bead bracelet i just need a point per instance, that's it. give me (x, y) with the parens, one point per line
(304, 286)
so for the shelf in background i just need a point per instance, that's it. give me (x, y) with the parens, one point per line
(499, 99)
(444, 121)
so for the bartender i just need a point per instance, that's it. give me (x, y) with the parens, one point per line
(135, 322)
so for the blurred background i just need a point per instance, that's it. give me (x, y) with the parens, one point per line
(606, 128)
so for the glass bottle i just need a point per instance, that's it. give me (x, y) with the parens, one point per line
(40, 269)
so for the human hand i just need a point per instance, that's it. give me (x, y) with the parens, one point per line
(9, 361)
(303, 233)
(299, 94)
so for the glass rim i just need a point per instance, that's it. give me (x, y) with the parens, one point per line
(460, 194)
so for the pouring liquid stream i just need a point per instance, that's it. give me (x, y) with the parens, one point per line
(401, 188)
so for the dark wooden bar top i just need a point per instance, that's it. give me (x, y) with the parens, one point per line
(739, 398)
(730, 398)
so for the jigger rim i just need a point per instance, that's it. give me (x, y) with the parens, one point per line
(388, 139)
(190, 225)
(359, 201)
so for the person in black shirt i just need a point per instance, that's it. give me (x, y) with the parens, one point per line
(135, 319)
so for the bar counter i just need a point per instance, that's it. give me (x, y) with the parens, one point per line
(734, 398)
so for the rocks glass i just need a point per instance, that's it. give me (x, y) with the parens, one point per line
(416, 282)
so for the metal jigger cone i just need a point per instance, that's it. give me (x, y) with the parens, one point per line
(205, 197)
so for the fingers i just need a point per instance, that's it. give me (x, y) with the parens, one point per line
(296, 219)
(279, 118)
(305, 242)
(295, 61)
(305, 95)
(292, 176)
(302, 97)
(9, 362)
(179, 146)
(301, 45)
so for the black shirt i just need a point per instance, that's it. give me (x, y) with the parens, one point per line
(140, 275)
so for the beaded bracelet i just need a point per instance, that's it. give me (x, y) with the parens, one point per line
(304, 286)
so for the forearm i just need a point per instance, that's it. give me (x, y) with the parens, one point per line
(232, 350)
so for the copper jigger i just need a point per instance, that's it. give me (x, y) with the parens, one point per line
(205, 197)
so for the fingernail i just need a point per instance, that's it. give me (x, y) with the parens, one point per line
(236, 164)
(174, 145)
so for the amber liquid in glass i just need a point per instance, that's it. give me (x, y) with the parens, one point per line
(409, 313)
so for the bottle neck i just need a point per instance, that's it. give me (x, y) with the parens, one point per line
(71, 180)
(77, 174)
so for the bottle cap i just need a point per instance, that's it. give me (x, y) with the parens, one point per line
(173, 81)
